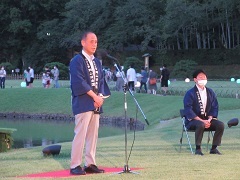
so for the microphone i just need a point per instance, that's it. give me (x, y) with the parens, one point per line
(111, 57)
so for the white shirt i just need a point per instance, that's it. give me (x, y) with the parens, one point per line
(31, 71)
(131, 74)
(203, 95)
(2, 73)
(90, 60)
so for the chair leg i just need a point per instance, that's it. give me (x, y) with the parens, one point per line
(181, 141)
(189, 143)
(185, 129)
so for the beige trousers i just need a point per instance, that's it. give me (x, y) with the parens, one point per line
(86, 131)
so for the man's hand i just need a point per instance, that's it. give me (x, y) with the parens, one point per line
(98, 101)
(207, 123)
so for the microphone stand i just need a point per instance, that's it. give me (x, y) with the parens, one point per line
(126, 168)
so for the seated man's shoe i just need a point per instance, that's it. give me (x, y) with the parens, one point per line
(199, 152)
(215, 151)
(93, 169)
(77, 171)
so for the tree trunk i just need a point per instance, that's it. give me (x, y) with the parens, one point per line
(178, 43)
(198, 40)
(223, 37)
(204, 40)
(228, 30)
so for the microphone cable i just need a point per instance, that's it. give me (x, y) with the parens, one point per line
(134, 135)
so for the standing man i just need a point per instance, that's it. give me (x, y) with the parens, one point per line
(131, 77)
(31, 72)
(88, 87)
(2, 77)
(56, 76)
(164, 79)
(201, 109)
(144, 79)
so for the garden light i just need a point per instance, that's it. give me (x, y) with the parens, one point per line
(187, 80)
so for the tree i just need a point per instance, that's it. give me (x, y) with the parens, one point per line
(20, 21)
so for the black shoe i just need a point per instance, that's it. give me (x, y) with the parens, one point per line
(93, 169)
(199, 152)
(77, 171)
(215, 151)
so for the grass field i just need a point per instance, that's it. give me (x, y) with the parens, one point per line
(156, 149)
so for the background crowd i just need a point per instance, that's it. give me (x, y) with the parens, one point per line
(143, 82)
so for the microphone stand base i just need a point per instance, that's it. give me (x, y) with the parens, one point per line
(126, 169)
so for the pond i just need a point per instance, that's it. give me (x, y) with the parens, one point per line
(37, 132)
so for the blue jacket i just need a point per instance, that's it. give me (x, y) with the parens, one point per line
(192, 107)
(81, 84)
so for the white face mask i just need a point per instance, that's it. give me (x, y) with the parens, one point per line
(202, 82)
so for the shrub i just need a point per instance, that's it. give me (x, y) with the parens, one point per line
(137, 63)
(184, 69)
(8, 67)
(63, 69)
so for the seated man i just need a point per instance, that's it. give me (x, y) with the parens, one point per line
(201, 110)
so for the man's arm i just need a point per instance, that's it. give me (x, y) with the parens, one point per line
(98, 100)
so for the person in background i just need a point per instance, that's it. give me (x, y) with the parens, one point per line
(56, 76)
(201, 110)
(88, 88)
(120, 80)
(2, 77)
(27, 77)
(152, 82)
(44, 82)
(144, 78)
(47, 77)
(131, 77)
(31, 72)
(164, 79)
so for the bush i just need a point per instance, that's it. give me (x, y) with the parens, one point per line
(137, 63)
(63, 69)
(8, 67)
(184, 69)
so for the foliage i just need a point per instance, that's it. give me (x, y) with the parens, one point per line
(6, 140)
(184, 69)
(39, 32)
(63, 69)
(137, 63)
(8, 67)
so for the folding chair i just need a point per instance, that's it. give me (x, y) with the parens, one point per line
(184, 129)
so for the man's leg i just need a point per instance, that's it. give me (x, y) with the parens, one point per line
(218, 126)
(3, 83)
(145, 87)
(199, 127)
(91, 140)
(81, 125)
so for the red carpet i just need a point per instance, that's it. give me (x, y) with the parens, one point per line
(65, 173)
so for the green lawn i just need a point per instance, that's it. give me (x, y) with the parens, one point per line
(156, 149)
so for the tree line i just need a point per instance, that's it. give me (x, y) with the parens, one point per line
(37, 32)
